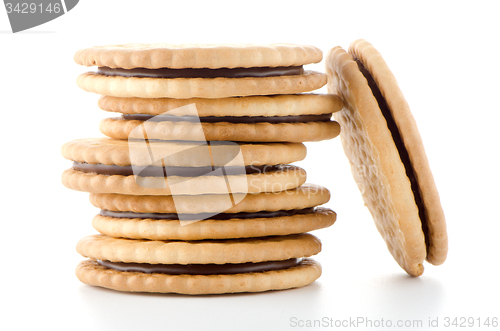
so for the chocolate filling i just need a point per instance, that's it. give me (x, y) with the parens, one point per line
(202, 72)
(230, 119)
(154, 171)
(210, 216)
(201, 269)
(403, 153)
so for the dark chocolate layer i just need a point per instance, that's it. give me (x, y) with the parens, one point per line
(202, 72)
(230, 119)
(201, 269)
(220, 216)
(403, 153)
(153, 171)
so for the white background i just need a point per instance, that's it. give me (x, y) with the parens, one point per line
(445, 57)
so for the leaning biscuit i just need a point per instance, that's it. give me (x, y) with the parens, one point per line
(414, 228)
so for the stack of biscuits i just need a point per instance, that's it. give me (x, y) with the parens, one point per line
(193, 181)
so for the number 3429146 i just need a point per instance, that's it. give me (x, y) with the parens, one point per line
(463, 322)
(32, 8)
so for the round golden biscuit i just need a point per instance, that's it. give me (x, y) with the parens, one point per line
(118, 128)
(180, 153)
(154, 229)
(186, 88)
(413, 230)
(304, 196)
(91, 273)
(179, 56)
(272, 105)
(275, 248)
(285, 177)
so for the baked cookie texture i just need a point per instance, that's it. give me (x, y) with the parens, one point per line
(221, 97)
(227, 194)
(256, 132)
(304, 196)
(153, 229)
(184, 88)
(212, 56)
(101, 247)
(378, 129)
(284, 178)
(90, 272)
(118, 152)
(274, 105)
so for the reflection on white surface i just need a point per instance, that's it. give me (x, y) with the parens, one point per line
(401, 296)
(245, 311)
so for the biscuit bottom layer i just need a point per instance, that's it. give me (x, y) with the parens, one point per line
(201, 269)
(220, 216)
(202, 72)
(154, 171)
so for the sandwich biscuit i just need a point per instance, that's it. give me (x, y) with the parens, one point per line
(199, 71)
(387, 158)
(199, 267)
(256, 215)
(112, 166)
(294, 118)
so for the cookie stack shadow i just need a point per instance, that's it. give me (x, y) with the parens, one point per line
(194, 182)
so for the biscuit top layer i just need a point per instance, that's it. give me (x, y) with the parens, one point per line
(178, 56)
(180, 154)
(271, 248)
